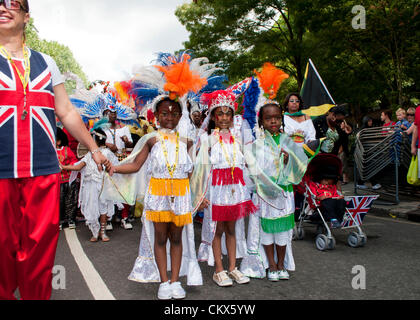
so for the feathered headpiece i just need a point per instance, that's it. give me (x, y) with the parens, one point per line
(172, 77)
(102, 124)
(270, 78)
(214, 83)
(108, 102)
(219, 98)
(262, 91)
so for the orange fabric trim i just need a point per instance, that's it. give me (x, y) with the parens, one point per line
(169, 187)
(169, 216)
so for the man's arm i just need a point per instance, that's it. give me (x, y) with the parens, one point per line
(71, 120)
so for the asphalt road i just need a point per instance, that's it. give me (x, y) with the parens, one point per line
(391, 260)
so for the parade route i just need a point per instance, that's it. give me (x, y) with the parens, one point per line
(390, 258)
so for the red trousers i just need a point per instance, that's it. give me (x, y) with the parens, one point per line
(29, 216)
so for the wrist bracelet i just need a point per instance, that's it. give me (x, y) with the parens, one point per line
(96, 150)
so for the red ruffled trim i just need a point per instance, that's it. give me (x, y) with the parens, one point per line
(224, 177)
(232, 213)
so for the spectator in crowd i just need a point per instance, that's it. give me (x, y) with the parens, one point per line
(66, 157)
(410, 118)
(296, 124)
(402, 121)
(330, 125)
(386, 118)
(367, 122)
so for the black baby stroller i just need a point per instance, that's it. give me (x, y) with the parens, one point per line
(310, 212)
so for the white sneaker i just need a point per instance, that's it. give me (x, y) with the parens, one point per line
(238, 276)
(376, 186)
(222, 279)
(109, 226)
(177, 291)
(361, 186)
(165, 292)
(273, 275)
(126, 225)
(283, 274)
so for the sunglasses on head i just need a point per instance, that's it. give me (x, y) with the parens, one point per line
(12, 5)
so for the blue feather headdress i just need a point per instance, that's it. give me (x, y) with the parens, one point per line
(214, 83)
(108, 102)
(149, 82)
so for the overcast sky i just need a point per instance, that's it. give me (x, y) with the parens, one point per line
(108, 37)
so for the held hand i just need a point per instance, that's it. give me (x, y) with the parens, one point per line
(100, 160)
(413, 150)
(111, 170)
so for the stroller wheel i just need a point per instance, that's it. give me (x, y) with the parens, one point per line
(363, 239)
(300, 233)
(331, 243)
(354, 240)
(321, 242)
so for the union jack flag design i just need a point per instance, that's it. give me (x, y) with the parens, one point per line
(240, 87)
(27, 147)
(358, 206)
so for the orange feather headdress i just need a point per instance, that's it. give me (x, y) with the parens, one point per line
(180, 79)
(270, 79)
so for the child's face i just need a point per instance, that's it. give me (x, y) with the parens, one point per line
(196, 116)
(271, 118)
(223, 117)
(400, 116)
(327, 181)
(168, 114)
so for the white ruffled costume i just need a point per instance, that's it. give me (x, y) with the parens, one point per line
(132, 187)
(274, 198)
(90, 188)
(220, 195)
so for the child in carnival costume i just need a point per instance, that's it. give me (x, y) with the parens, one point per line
(93, 208)
(276, 163)
(219, 182)
(157, 174)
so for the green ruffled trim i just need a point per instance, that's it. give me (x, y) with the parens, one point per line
(278, 225)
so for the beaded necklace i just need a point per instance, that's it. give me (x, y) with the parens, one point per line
(171, 168)
(231, 164)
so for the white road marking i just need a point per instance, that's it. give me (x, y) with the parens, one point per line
(93, 280)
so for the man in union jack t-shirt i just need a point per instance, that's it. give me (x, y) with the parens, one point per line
(32, 94)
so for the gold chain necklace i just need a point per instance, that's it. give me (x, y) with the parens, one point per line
(171, 168)
(23, 78)
(231, 164)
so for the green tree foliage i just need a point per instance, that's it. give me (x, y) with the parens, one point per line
(367, 68)
(60, 53)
